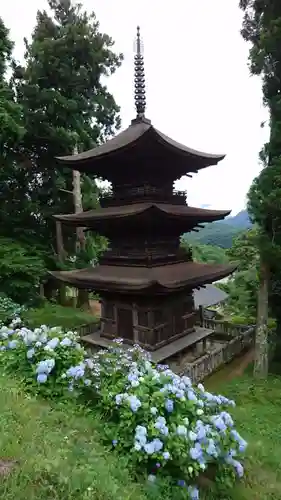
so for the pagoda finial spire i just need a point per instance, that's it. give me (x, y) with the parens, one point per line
(140, 100)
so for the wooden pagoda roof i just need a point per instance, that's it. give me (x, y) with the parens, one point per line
(90, 217)
(139, 138)
(161, 279)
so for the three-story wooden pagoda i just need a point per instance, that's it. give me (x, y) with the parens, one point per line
(145, 280)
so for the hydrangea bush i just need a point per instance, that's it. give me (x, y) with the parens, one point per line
(40, 356)
(9, 309)
(168, 426)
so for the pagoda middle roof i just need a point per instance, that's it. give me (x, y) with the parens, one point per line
(200, 215)
(171, 277)
(140, 135)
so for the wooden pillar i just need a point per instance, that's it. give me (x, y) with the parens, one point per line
(135, 323)
(201, 320)
(102, 323)
(204, 344)
(115, 314)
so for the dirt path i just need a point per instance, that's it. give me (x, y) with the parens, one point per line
(234, 369)
(95, 307)
(239, 369)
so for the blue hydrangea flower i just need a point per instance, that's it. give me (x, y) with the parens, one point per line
(160, 425)
(182, 430)
(181, 483)
(241, 442)
(166, 455)
(237, 465)
(52, 344)
(45, 366)
(218, 422)
(201, 431)
(239, 468)
(42, 378)
(169, 405)
(196, 452)
(187, 381)
(134, 403)
(180, 394)
(76, 372)
(211, 449)
(227, 419)
(30, 353)
(149, 448)
(141, 430)
(119, 399)
(140, 436)
(12, 344)
(193, 492)
(66, 342)
(158, 445)
(191, 396)
(89, 362)
(153, 447)
(192, 436)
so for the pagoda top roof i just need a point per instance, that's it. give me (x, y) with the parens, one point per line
(89, 217)
(139, 135)
(168, 278)
(139, 144)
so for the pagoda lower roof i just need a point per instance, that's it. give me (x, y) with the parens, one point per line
(140, 135)
(158, 279)
(90, 217)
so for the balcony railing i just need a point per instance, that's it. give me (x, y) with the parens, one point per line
(143, 193)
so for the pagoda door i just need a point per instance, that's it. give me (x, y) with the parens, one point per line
(125, 328)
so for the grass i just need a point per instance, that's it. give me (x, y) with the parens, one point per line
(59, 453)
(61, 457)
(54, 315)
(258, 418)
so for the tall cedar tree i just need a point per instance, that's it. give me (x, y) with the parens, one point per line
(13, 202)
(65, 103)
(262, 27)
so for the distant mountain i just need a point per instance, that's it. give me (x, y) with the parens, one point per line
(240, 220)
(221, 233)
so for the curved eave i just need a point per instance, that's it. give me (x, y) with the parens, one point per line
(160, 280)
(179, 212)
(177, 147)
(129, 138)
(120, 142)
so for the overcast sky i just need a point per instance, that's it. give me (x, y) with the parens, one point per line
(199, 91)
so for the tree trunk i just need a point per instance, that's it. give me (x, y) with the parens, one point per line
(83, 296)
(61, 255)
(261, 340)
(78, 207)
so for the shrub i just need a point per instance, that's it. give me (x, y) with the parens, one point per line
(37, 354)
(21, 270)
(249, 320)
(168, 427)
(9, 309)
